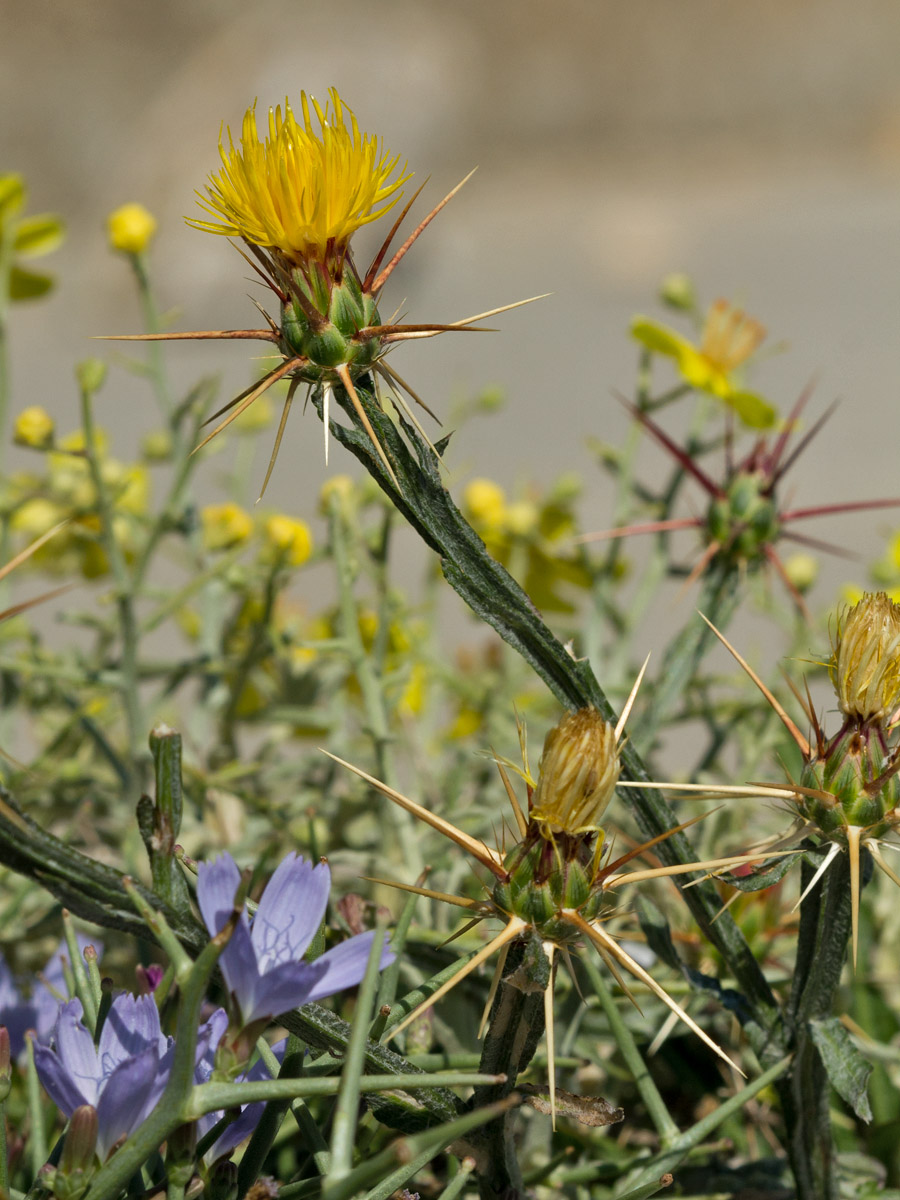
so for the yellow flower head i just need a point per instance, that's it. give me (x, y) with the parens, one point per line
(130, 228)
(288, 540)
(225, 525)
(579, 771)
(34, 427)
(304, 191)
(865, 667)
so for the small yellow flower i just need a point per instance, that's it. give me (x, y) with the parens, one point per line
(579, 770)
(802, 570)
(34, 427)
(304, 191)
(865, 668)
(341, 486)
(288, 540)
(484, 503)
(225, 525)
(34, 517)
(130, 228)
(728, 339)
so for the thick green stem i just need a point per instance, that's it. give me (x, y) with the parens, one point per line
(515, 1027)
(805, 1092)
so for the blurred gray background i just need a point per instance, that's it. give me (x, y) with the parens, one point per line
(754, 145)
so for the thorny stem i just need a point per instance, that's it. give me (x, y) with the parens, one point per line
(514, 1030)
(805, 1093)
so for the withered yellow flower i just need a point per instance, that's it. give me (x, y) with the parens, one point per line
(578, 773)
(865, 668)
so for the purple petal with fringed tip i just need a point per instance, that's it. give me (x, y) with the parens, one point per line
(345, 965)
(217, 883)
(290, 911)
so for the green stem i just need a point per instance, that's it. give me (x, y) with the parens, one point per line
(515, 1027)
(656, 1107)
(370, 683)
(128, 628)
(805, 1093)
(718, 601)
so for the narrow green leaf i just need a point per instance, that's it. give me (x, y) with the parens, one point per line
(36, 236)
(847, 1069)
(28, 285)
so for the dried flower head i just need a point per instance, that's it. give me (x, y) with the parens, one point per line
(865, 666)
(578, 772)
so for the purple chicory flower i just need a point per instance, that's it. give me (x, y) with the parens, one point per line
(122, 1077)
(250, 1116)
(263, 962)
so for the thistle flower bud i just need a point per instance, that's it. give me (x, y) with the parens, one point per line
(579, 770)
(34, 427)
(130, 228)
(865, 667)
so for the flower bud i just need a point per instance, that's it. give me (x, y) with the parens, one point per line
(287, 540)
(34, 427)
(865, 667)
(225, 525)
(130, 228)
(579, 770)
(677, 290)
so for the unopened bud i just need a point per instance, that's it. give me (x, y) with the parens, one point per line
(579, 770)
(865, 667)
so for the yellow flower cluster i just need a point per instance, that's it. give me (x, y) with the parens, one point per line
(527, 537)
(66, 492)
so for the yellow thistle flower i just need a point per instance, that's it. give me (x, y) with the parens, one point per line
(303, 192)
(130, 228)
(295, 200)
(288, 540)
(225, 525)
(865, 667)
(34, 427)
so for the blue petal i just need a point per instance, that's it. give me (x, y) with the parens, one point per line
(250, 1113)
(76, 1051)
(58, 1082)
(217, 883)
(129, 1095)
(130, 1028)
(345, 965)
(284, 987)
(290, 911)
